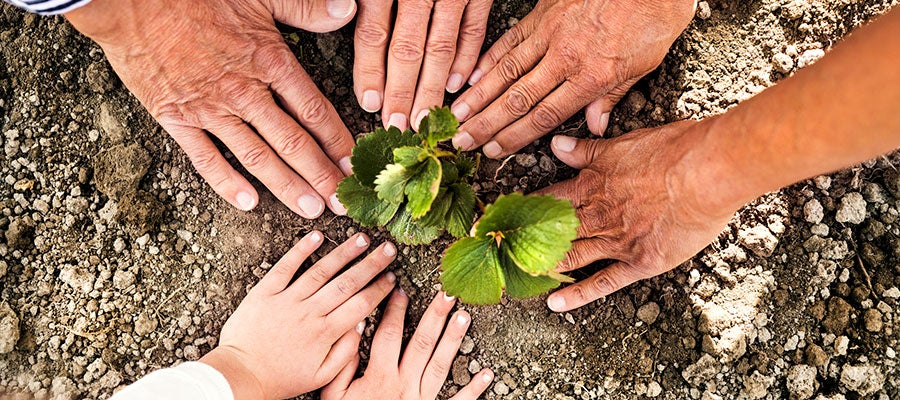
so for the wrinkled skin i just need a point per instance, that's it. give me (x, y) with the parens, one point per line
(221, 68)
(564, 55)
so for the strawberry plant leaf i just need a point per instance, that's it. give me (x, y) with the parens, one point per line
(538, 230)
(520, 284)
(375, 150)
(408, 156)
(423, 187)
(363, 204)
(439, 125)
(436, 217)
(461, 210)
(471, 271)
(465, 166)
(408, 231)
(392, 181)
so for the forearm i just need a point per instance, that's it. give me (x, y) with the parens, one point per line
(843, 110)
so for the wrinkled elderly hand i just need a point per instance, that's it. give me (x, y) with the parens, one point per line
(563, 56)
(406, 62)
(638, 204)
(206, 67)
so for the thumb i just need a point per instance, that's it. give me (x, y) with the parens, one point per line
(338, 387)
(576, 153)
(314, 15)
(597, 113)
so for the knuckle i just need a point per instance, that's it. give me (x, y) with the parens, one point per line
(471, 31)
(432, 92)
(510, 68)
(518, 101)
(441, 49)
(346, 286)
(371, 35)
(400, 95)
(293, 144)
(546, 117)
(319, 275)
(314, 110)
(406, 50)
(206, 160)
(392, 332)
(568, 53)
(440, 367)
(320, 179)
(423, 343)
(255, 156)
(601, 285)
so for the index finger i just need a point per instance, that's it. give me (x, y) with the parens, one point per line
(369, 51)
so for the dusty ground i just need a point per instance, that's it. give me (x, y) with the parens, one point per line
(112, 266)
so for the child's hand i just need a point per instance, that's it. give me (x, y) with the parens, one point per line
(423, 369)
(290, 338)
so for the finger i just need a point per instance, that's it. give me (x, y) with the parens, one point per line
(603, 283)
(370, 50)
(404, 60)
(305, 102)
(336, 292)
(278, 278)
(314, 16)
(468, 46)
(344, 350)
(557, 107)
(512, 38)
(389, 337)
(321, 272)
(570, 189)
(362, 303)
(577, 153)
(476, 386)
(513, 105)
(597, 113)
(440, 49)
(422, 343)
(338, 387)
(584, 252)
(213, 168)
(259, 159)
(440, 363)
(513, 66)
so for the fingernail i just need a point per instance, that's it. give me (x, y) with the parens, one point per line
(401, 291)
(371, 100)
(476, 76)
(398, 120)
(340, 9)
(463, 140)
(604, 121)
(361, 241)
(460, 110)
(245, 201)
(556, 302)
(315, 237)
(454, 83)
(461, 319)
(391, 277)
(389, 249)
(421, 116)
(345, 166)
(487, 377)
(336, 205)
(448, 297)
(360, 327)
(311, 205)
(564, 143)
(492, 149)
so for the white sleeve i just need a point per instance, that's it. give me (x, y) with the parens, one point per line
(188, 381)
(49, 7)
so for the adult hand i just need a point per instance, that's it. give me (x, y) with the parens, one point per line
(639, 204)
(423, 368)
(220, 67)
(563, 56)
(403, 65)
(288, 338)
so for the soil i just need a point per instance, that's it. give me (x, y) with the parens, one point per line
(116, 259)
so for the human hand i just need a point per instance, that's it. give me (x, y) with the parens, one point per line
(288, 338)
(421, 372)
(563, 56)
(432, 46)
(640, 203)
(205, 67)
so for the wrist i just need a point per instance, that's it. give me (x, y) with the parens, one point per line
(107, 21)
(230, 362)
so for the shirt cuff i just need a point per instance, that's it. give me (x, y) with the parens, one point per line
(49, 7)
(188, 381)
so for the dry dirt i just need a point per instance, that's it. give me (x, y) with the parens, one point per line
(116, 259)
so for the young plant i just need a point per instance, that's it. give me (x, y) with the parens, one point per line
(516, 245)
(405, 181)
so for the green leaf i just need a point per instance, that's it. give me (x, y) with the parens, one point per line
(408, 156)
(538, 230)
(471, 271)
(461, 211)
(439, 125)
(520, 284)
(392, 181)
(465, 166)
(423, 187)
(363, 204)
(436, 217)
(407, 231)
(375, 150)
(449, 174)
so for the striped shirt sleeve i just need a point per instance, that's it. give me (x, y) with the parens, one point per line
(48, 7)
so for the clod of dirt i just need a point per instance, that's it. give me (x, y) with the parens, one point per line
(98, 77)
(852, 209)
(144, 324)
(801, 381)
(460, 371)
(838, 316)
(119, 169)
(109, 124)
(758, 239)
(3, 268)
(864, 379)
(648, 313)
(783, 63)
(701, 371)
(813, 211)
(756, 386)
(815, 355)
(20, 233)
(139, 212)
(9, 328)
